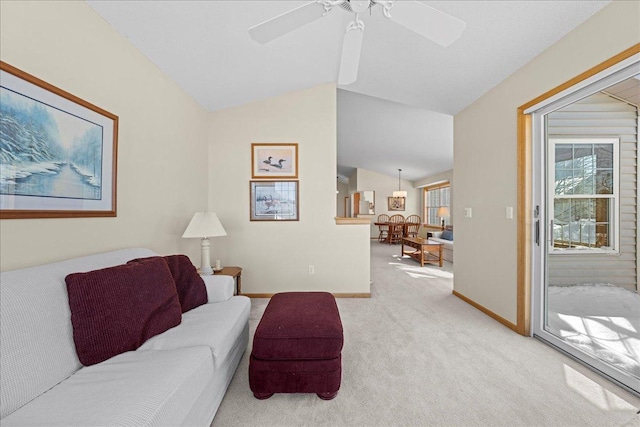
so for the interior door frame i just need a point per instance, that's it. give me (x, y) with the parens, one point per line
(532, 221)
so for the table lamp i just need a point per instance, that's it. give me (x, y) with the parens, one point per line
(204, 225)
(443, 212)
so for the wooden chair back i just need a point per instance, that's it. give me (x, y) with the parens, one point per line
(383, 218)
(397, 218)
(413, 225)
(413, 219)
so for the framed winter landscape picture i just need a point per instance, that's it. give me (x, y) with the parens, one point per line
(274, 201)
(57, 152)
(274, 161)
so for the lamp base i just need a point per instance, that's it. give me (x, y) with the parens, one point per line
(205, 259)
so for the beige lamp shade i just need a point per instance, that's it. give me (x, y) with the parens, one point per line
(443, 212)
(204, 224)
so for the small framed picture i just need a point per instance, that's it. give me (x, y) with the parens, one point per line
(274, 161)
(274, 201)
(396, 203)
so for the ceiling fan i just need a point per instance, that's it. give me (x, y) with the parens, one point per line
(416, 16)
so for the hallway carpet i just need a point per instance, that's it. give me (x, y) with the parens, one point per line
(416, 355)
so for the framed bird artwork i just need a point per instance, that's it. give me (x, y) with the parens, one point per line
(274, 161)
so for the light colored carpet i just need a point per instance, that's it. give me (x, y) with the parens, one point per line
(415, 355)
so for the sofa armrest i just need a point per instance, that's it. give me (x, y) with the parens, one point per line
(219, 287)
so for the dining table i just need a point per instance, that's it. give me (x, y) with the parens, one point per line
(389, 224)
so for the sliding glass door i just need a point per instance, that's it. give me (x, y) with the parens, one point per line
(585, 278)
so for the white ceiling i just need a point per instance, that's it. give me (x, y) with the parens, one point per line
(408, 138)
(204, 46)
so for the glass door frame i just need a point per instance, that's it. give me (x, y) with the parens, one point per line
(541, 220)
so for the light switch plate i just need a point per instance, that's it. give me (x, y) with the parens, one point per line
(467, 212)
(509, 212)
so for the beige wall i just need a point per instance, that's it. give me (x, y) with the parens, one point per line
(276, 255)
(162, 136)
(485, 168)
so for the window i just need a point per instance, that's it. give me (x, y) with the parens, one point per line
(583, 189)
(435, 197)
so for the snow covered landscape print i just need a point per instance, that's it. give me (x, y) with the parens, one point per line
(47, 152)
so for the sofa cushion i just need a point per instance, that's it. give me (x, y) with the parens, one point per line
(37, 350)
(189, 285)
(137, 388)
(191, 289)
(215, 325)
(117, 309)
(447, 235)
(219, 288)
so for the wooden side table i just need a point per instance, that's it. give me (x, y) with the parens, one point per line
(236, 273)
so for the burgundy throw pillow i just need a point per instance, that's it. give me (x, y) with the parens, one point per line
(191, 289)
(116, 309)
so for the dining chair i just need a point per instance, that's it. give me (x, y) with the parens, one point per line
(396, 228)
(384, 228)
(413, 225)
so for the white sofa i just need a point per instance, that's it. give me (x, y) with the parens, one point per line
(176, 378)
(447, 245)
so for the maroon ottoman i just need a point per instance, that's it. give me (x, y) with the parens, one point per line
(297, 346)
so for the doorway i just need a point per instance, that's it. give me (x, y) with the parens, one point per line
(584, 245)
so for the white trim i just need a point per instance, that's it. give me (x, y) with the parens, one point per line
(632, 63)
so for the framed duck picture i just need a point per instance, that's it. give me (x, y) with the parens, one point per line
(274, 161)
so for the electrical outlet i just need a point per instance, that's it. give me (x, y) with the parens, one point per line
(312, 270)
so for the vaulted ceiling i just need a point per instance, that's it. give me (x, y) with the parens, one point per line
(205, 48)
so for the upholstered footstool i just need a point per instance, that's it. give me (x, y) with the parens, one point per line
(297, 346)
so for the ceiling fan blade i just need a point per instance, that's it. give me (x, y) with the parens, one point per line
(431, 23)
(350, 60)
(288, 21)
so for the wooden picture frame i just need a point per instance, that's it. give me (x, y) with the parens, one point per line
(59, 157)
(274, 161)
(274, 201)
(396, 203)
